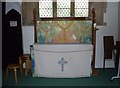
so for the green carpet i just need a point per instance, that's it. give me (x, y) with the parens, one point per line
(103, 79)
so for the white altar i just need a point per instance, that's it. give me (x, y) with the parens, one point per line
(62, 60)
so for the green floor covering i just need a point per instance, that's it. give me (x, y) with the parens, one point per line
(103, 79)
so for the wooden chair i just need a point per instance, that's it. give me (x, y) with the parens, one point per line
(13, 67)
(117, 63)
(108, 48)
(26, 59)
(117, 48)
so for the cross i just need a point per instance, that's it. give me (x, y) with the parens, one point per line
(62, 62)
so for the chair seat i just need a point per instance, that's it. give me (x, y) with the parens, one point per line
(12, 66)
(25, 59)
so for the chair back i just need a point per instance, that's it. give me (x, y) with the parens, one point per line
(108, 46)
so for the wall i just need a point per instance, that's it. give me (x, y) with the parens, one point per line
(0, 44)
(119, 21)
(15, 5)
(111, 29)
(0, 33)
(28, 38)
(110, 17)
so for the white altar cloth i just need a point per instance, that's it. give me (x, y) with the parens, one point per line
(62, 60)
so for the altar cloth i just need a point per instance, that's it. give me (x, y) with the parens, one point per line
(62, 60)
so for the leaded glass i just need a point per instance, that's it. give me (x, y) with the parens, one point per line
(81, 8)
(63, 8)
(46, 8)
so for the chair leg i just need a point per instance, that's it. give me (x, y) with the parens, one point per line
(15, 74)
(104, 64)
(25, 71)
(7, 73)
(21, 70)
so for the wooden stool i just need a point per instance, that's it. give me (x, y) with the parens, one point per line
(14, 67)
(26, 59)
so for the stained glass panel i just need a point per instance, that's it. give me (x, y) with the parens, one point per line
(46, 8)
(63, 8)
(81, 8)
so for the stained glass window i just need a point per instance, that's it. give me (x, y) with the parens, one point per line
(81, 8)
(46, 8)
(63, 8)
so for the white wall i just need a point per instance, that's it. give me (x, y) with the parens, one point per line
(15, 5)
(28, 38)
(111, 29)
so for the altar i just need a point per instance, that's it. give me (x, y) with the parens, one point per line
(62, 60)
(64, 48)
